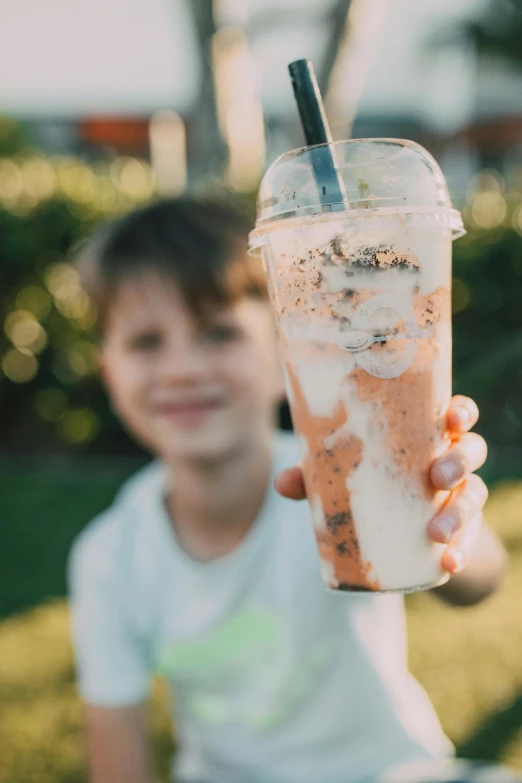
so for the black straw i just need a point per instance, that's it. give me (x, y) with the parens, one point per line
(309, 103)
(316, 131)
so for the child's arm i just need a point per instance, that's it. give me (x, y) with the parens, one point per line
(117, 745)
(112, 662)
(481, 576)
(470, 545)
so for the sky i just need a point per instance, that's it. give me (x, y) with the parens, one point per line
(70, 57)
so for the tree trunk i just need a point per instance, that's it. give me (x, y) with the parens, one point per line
(337, 24)
(206, 148)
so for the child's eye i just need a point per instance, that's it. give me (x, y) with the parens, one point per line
(149, 341)
(222, 334)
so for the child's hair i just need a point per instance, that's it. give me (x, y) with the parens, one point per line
(199, 243)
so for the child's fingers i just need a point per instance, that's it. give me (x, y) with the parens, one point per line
(463, 457)
(460, 548)
(290, 484)
(462, 415)
(464, 505)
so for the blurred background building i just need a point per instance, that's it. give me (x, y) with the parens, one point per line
(88, 78)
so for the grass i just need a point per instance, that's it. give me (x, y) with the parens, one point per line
(41, 716)
(43, 513)
(467, 659)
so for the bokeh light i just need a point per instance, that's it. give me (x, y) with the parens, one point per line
(39, 179)
(80, 425)
(134, 178)
(50, 403)
(75, 180)
(72, 301)
(34, 299)
(460, 296)
(487, 180)
(18, 366)
(88, 319)
(62, 369)
(489, 206)
(107, 195)
(488, 209)
(24, 331)
(517, 218)
(82, 359)
(89, 190)
(11, 183)
(70, 298)
(58, 275)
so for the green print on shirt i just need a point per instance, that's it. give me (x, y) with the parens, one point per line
(244, 670)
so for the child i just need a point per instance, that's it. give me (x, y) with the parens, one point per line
(202, 572)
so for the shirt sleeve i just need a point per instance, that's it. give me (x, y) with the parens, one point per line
(111, 659)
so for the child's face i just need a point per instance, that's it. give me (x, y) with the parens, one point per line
(183, 389)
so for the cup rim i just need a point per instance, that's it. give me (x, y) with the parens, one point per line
(434, 217)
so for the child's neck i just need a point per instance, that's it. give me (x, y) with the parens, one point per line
(214, 504)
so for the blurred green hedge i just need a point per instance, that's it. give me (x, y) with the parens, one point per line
(50, 399)
(487, 324)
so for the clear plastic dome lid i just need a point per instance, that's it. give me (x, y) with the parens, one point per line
(361, 177)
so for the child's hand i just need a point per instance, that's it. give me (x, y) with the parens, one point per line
(458, 523)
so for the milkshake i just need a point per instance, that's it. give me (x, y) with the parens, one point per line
(361, 294)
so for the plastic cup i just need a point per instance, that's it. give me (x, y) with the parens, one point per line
(361, 295)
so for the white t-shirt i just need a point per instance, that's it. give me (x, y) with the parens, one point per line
(274, 679)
